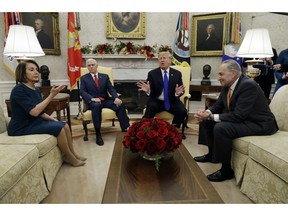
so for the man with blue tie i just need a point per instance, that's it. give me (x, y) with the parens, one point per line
(164, 87)
(94, 89)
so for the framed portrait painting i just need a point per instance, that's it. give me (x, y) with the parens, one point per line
(46, 27)
(125, 25)
(208, 34)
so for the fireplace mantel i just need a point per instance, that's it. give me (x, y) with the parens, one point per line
(126, 67)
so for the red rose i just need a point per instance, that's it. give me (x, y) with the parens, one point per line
(161, 145)
(141, 145)
(162, 132)
(140, 134)
(151, 148)
(151, 134)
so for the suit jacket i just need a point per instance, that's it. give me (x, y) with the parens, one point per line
(247, 105)
(155, 79)
(88, 89)
(213, 43)
(44, 40)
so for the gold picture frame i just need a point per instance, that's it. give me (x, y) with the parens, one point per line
(125, 25)
(49, 36)
(212, 45)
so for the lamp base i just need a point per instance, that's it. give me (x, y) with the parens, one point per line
(251, 71)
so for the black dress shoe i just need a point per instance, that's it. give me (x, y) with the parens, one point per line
(124, 130)
(203, 158)
(99, 140)
(220, 176)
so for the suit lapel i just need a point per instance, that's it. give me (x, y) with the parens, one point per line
(235, 92)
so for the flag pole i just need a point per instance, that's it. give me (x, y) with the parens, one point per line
(74, 55)
(80, 113)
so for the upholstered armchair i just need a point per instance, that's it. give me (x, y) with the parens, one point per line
(107, 114)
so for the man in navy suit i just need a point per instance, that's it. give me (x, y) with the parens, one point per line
(154, 88)
(242, 112)
(96, 97)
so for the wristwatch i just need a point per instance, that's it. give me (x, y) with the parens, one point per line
(209, 114)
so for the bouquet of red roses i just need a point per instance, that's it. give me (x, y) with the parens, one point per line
(152, 136)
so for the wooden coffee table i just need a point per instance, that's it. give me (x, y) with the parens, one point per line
(131, 179)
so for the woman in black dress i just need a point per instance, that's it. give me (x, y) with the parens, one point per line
(28, 116)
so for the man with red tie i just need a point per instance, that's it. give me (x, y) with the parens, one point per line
(94, 89)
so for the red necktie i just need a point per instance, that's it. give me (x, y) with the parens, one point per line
(96, 81)
(97, 84)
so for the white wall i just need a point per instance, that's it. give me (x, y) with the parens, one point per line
(160, 29)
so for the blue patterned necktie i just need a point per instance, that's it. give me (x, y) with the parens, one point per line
(166, 96)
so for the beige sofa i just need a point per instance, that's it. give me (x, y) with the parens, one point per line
(261, 162)
(28, 165)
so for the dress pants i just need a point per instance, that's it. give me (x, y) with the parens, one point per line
(218, 136)
(96, 109)
(177, 109)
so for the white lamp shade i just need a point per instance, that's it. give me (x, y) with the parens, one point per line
(256, 44)
(22, 42)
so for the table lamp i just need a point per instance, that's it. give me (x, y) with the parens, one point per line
(22, 43)
(256, 44)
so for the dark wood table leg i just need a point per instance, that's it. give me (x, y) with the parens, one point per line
(68, 116)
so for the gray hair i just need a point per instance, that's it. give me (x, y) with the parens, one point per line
(232, 65)
(91, 59)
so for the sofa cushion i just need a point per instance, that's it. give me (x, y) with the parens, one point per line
(44, 142)
(279, 107)
(15, 161)
(271, 152)
(241, 144)
(3, 126)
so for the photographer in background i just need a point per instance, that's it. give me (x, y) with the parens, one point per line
(266, 77)
(281, 70)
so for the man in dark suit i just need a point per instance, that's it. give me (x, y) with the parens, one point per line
(43, 38)
(154, 88)
(95, 95)
(246, 113)
(211, 40)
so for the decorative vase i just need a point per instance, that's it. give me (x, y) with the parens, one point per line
(167, 156)
(150, 157)
(157, 158)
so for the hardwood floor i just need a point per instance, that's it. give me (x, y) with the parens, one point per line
(86, 184)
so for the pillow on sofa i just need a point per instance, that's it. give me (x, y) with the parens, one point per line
(3, 126)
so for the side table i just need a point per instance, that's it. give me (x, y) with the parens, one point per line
(210, 99)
